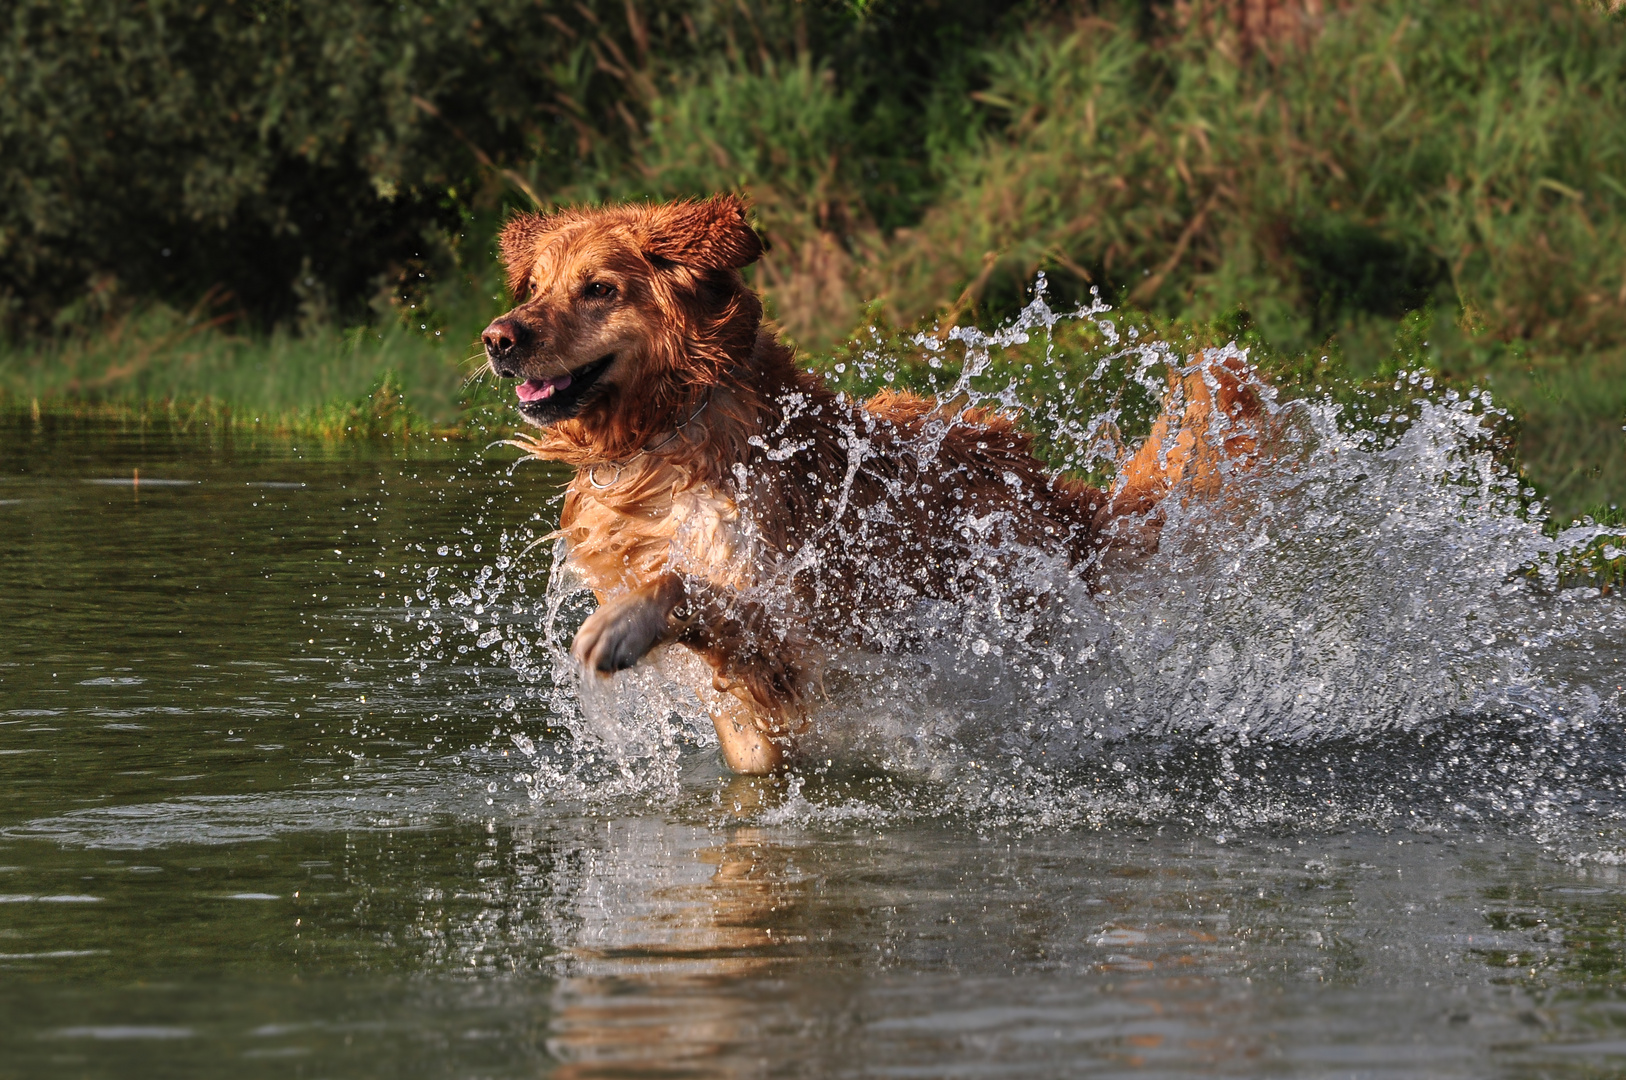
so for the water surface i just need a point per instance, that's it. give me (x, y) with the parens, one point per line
(262, 809)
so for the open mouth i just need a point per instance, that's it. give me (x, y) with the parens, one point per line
(547, 401)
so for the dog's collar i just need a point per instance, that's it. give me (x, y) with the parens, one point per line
(592, 470)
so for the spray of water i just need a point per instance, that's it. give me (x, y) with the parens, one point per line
(1367, 626)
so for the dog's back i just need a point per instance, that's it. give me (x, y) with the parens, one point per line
(927, 487)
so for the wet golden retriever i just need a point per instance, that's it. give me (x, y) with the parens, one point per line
(725, 500)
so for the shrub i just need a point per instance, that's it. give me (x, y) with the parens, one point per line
(290, 153)
(1475, 151)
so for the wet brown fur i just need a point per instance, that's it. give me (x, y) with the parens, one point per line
(680, 510)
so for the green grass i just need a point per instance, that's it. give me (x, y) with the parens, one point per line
(187, 370)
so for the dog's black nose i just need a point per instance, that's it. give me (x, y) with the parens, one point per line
(501, 339)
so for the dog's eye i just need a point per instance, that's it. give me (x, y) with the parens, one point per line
(597, 290)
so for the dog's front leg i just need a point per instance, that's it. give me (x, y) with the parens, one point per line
(732, 637)
(746, 747)
(625, 627)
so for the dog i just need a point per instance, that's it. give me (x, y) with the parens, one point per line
(727, 501)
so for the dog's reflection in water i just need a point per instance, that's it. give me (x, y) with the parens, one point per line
(673, 949)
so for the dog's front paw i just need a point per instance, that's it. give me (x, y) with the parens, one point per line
(620, 632)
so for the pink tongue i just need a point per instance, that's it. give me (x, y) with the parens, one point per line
(541, 389)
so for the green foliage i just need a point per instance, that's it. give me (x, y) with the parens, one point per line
(191, 369)
(287, 151)
(838, 120)
(1471, 150)
(306, 157)
(784, 126)
(1427, 183)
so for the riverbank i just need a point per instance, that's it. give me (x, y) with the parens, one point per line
(1351, 191)
(184, 370)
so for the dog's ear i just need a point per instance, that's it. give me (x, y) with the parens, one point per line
(712, 234)
(518, 244)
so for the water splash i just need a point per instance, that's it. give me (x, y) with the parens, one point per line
(1368, 626)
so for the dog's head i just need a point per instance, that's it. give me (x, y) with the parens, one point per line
(624, 315)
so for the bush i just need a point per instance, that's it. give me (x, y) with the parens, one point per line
(1470, 151)
(297, 154)
(307, 158)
